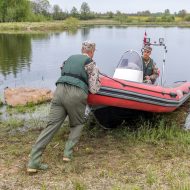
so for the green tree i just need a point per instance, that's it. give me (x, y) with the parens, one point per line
(167, 12)
(57, 13)
(85, 11)
(41, 7)
(74, 12)
(144, 13)
(14, 10)
(121, 17)
(110, 14)
(187, 18)
(3, 9)
(23, 10)
(182, 13)
(167, 18)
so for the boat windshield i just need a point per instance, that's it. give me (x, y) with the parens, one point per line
(131, 60)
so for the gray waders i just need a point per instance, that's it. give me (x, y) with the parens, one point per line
(68, 100)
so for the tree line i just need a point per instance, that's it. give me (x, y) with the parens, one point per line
(41, 10)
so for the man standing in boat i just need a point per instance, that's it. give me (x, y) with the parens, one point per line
(79, 75)
(150, 70)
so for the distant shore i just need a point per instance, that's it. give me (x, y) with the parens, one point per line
(52, 26)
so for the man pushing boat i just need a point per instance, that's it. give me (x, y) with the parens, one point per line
(79, 75)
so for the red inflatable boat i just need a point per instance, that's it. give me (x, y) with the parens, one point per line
(140, 96)
(127, 90)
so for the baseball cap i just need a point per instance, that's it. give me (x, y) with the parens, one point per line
(88, 45)
(148, 48)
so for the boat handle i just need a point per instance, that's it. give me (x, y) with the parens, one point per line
(173, 95)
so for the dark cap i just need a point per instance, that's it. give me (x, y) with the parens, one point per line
(147, 48)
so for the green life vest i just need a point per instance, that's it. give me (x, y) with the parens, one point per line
(147, 69)
(74, 73)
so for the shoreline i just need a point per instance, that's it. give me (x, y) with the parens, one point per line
(59, 26)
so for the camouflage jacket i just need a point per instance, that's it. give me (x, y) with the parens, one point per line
(150, 69)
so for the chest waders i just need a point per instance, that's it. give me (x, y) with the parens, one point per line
(70, 98)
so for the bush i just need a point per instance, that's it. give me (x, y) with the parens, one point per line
(129, 20)
(187, 18)
(168, 18)
(151, 19)
(122, 19)
(71, 23)
(36, 18)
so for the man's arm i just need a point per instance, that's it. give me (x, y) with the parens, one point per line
(93, 77)
(155, 74)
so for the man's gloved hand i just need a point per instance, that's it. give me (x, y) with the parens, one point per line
(147, 77)
(147, 80)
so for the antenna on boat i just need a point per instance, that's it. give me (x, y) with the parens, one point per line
(146, 41)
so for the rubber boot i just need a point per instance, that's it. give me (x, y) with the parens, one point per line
(34, 164)
(68, 151)
(75, 133)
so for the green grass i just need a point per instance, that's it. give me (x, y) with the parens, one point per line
(70, 23)
(21, 109)
(79, 185)
(1, 103)
(154, 154)
(12, 123)
(151, 177)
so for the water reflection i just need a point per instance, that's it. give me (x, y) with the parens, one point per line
(72, 32)
(15, 52)
(35, 59)
(85, 33)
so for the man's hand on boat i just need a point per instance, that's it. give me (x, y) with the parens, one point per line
(147, 80)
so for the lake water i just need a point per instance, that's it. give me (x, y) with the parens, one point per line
(34, 59)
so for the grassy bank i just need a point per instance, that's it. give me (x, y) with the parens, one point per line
(65, 25)
(153, 156)
(50, 26)
(32, 27)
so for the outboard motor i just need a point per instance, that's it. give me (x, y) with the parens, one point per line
(130, 67)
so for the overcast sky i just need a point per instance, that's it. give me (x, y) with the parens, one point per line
(129, 6)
